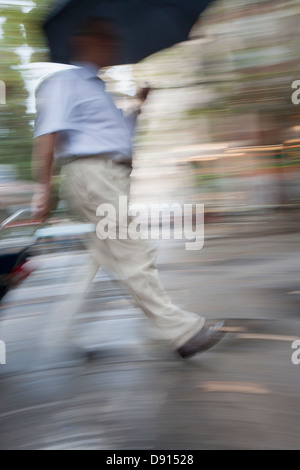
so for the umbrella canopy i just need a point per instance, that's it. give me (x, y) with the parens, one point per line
(146, 26)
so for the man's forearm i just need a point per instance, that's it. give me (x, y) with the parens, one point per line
(43, 157)
(42, 164)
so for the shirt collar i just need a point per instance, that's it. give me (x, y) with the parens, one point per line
(87, 70)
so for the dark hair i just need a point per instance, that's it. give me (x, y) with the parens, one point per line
(102, 27)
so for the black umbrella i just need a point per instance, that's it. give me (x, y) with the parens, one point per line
(147, 26)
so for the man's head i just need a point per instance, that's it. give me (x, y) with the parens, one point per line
(97, 41)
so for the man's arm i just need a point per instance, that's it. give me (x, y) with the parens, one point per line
(52, 103)
(135, 111)
(42, 165)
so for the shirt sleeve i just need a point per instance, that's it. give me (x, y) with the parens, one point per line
(52, 102)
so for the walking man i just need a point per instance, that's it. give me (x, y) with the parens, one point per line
(79, 126)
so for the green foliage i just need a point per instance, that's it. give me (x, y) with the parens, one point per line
(16, 130)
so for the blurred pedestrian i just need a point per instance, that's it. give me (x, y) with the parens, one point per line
(79, 126)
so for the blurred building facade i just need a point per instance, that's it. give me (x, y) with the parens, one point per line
(219, 127)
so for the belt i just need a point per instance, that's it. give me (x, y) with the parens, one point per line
(62, 161)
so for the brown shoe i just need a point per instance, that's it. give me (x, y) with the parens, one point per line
(205, 339)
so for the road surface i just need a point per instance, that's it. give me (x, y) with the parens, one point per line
(135, 393)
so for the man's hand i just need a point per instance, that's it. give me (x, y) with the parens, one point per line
(41, 204)
(140, 98)
(142, 94)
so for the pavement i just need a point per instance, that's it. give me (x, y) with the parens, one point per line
(136, 393)
(254, 222)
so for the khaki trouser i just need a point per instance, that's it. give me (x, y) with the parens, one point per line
(90, 182)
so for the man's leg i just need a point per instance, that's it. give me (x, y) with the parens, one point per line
(58, 332)
(94, 182)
